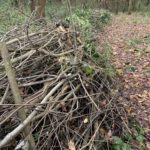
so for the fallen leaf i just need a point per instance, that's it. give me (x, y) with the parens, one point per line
(71, 145)
(147, 50)
(129, 109)
(131, 50)
(120, 71)
(86, 120)
(102, 132)
(148, 146)
(103, 103)
(108, 136)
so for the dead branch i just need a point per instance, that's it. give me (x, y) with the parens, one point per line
(17, 98)
(19, 129)
(62, 101)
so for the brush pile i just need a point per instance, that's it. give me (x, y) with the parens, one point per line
(75, 106)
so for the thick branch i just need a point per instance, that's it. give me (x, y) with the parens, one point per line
(17, 130)
(15, 90)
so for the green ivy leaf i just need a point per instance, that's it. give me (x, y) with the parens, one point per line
(147, 39)
(118, 144)
(128, 137)
(126, 146)
(88, 69)
(130, 68)
(117, 140)
(141, 131)
(147, 70)
(117, 147)
(140, 138)
(147, 50)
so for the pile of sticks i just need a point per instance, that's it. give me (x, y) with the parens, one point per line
(63, 106)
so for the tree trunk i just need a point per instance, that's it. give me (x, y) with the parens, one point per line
(16, 94)
(148, 2)
(130, 7)
(32, 5)
(138, 4)
(21, 4)
(116, 6)
(39, 7)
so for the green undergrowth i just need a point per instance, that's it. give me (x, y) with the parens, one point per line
(11, 16)
(102, 59)
(144, 10)
(89, 20)
(130, 139)
(135, 44)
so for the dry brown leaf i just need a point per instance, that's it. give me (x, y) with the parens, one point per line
(120, 71)
(148, 146)
(71, 145)
(129, 109)
(145, 93)
(103, 103)
(86, 120)
(135, 101)
(108, 136)
(131, 50)
(102, 132)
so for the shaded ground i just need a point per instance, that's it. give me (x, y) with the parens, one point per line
(129, 37)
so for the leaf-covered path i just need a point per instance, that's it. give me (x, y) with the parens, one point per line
(129, 37)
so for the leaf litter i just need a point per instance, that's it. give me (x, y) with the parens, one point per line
(132, 63)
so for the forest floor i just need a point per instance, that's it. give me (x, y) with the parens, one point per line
(129, 38)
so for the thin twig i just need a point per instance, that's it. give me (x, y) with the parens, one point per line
(4, 96)
(20, 127)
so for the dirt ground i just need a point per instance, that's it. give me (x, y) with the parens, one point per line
(129, 37)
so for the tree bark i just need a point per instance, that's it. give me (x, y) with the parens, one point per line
(138, 5)
(15, 91)
(130, 7)
(148, 2)
(32, 5)
(116, 6)
(39, 7)
(21, 4)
